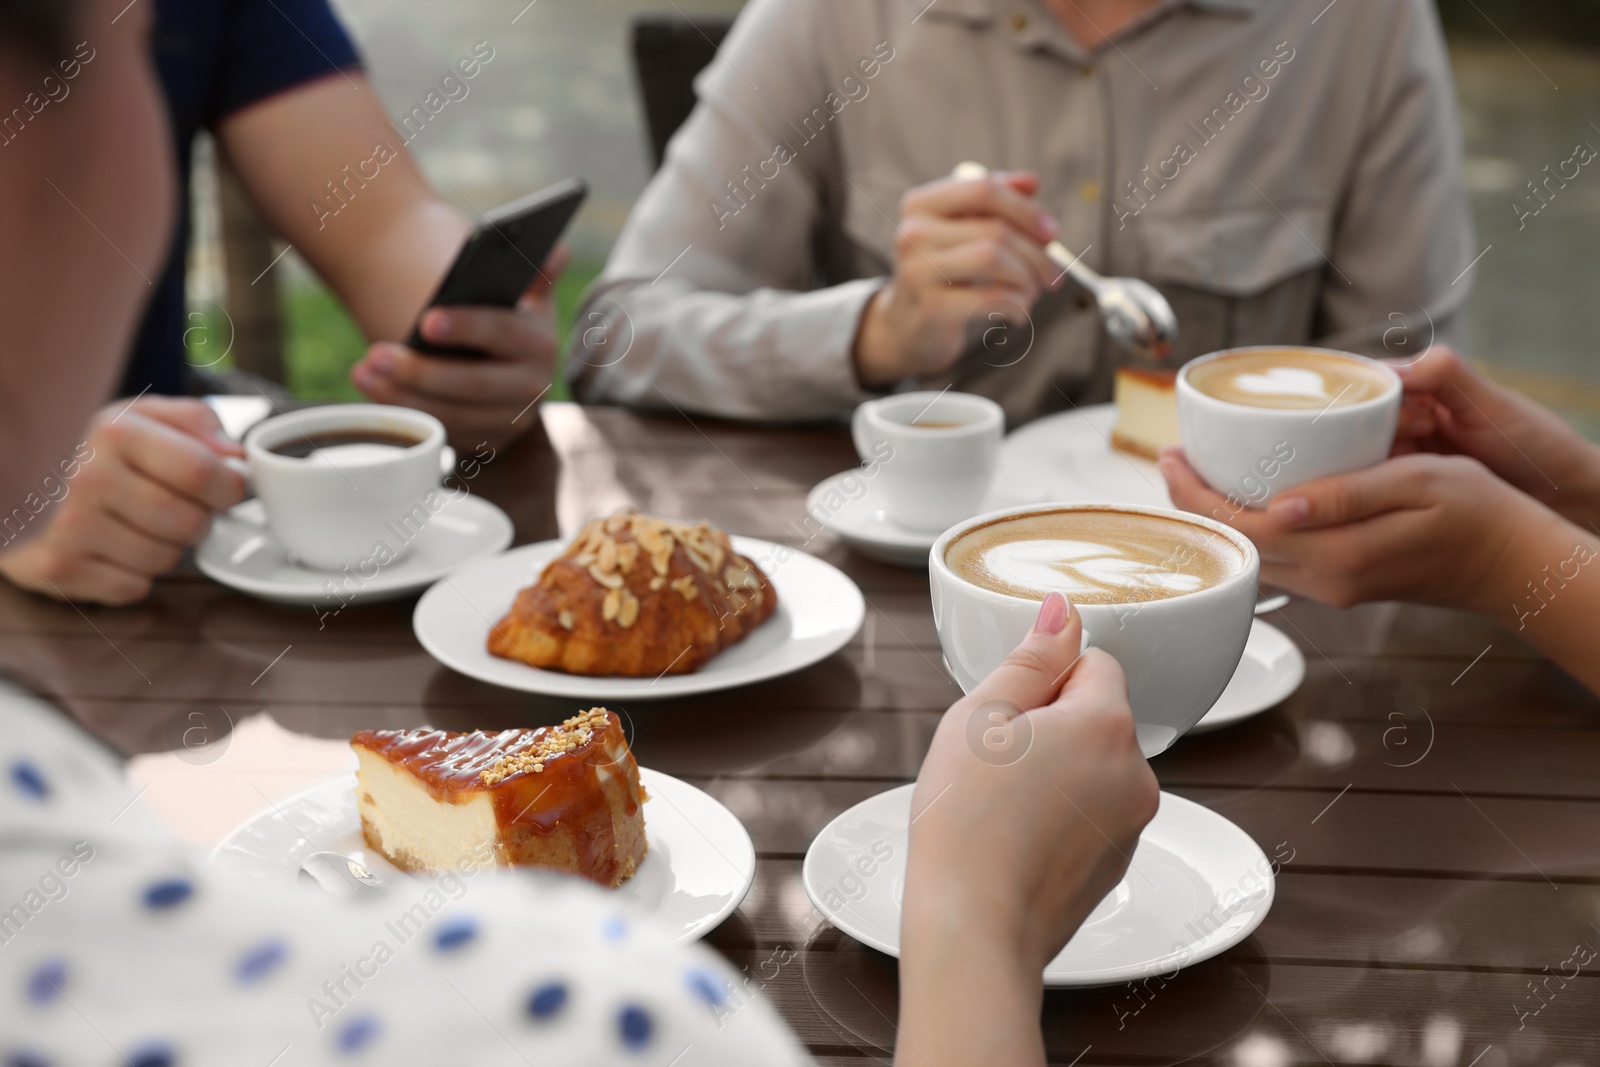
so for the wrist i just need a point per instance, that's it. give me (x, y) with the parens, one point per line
(1534, 540)
(875, 353)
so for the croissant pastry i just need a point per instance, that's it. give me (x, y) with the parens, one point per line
(639, 596)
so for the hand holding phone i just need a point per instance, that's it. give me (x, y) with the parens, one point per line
(501, 258)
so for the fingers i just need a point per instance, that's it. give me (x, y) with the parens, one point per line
(995, 196)
(511, 335)
(104, 536)
(977, 251)
(391, 372)
(1392, 485)
(544, 283)
(70, 576)
(495, 420)
(1033, 674)
(180, 463)
(193, 417)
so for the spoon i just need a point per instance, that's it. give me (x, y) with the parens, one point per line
(341, 875)
(1136, 316)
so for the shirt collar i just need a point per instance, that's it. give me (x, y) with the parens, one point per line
(981, 12)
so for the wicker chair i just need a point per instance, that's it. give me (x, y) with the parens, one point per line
(668, 51)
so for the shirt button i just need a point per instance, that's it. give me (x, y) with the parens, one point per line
(1088, 70)
(1019, 21)
(1084, 303)
(1090, 191)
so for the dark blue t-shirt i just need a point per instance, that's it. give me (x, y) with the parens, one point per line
(213, 58)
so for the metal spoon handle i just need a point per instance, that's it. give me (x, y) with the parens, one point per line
(1076, 269)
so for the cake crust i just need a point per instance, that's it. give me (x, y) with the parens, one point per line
(563, 798)
(637, 596)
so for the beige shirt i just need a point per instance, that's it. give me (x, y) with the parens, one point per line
(1281, 175)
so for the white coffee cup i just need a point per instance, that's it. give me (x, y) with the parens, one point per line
(1178, 654)
(930, 477)
(1252, 454)
(368, 503)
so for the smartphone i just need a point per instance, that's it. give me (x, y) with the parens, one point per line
(502, 257)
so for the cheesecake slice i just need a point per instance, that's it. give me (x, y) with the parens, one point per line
(1147, 411)
(564, 798)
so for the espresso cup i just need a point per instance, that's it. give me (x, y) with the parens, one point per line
(1249, 447)
(343, 505)
(1178, 653)
(936, 454)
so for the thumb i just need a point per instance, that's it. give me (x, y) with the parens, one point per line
(193, 417)
(1390, 486)
(1032, 675)
(1437, 370)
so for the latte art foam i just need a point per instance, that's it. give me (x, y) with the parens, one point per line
(1289, 378)
(1094, 556)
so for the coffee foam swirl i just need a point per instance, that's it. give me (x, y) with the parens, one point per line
(1289, 378)
(1094, 557)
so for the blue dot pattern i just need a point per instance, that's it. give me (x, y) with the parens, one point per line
(260, 961)
(634, 1026)
(455, 933)
(46, 982)
(615, 929)
(707, 986)
(358, 1033)
(29, 780)
(152, 1054)
(167, 893)
(547, 1001)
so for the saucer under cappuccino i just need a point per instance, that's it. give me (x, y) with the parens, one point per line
(1289, 378)
(1094, 556)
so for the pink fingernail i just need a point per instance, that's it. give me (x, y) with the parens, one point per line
(382, 360)
(1053, 614)
(1289, 510)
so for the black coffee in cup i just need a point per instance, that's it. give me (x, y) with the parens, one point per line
(303, 447)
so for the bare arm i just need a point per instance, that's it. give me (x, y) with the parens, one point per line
(383, 243)
(86, 196)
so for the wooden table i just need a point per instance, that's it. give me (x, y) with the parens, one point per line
(1433, 789)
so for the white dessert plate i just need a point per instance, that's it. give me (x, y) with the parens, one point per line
(1197, 886)
(241, 553)
(1068, 457)
(1271, 670)
(846, 506)
(819, 611)
(700, 865)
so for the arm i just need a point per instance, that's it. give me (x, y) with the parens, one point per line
(1002, 872)
(730, 327)
(1434, 529)
(383, 245)
(1403, 233)
(86, 193)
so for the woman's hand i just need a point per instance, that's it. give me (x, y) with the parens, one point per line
(1451, 408)
(1026, 811)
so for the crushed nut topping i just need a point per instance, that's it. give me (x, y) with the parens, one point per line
(686, 587)
(608, 560)
(657, 584)
(612, 604)
(628, 613)
(565, 619)
(552, 741)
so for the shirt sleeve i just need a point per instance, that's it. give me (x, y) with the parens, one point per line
(706, 303)
(1403, 238)
(274, 45)
(113, 933)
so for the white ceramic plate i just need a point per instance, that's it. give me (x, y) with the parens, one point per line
(1197, 886)
(700, 865)
(241, 553)
(1068, 457)
(819, 611)
(849, 510)
(1271, 670)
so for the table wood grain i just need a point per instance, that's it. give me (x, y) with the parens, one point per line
(1434, 785)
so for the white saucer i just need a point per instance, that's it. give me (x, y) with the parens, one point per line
(819, 611)
(1197, 886)
(240, 552)
(853, 515)
(1068, 458)
(1271, 670)
(700, 865)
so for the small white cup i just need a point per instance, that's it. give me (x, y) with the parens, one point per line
(336, 515)
(930, 477)
(1252, 454)
(1178, 654)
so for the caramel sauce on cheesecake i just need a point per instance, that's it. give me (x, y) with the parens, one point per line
(578, 778)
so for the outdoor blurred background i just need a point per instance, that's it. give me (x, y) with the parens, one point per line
(559, 99)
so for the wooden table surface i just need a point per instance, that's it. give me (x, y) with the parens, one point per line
(1433, 788)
